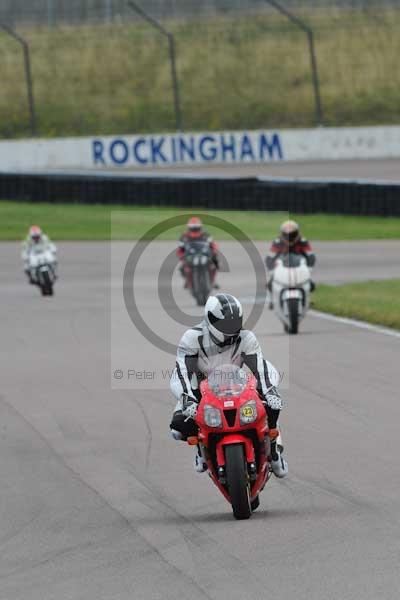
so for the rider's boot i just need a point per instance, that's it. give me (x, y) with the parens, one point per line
(279, 465)
(269, 295)
(214, 272)
(200, 465)
(29, 276)
(182, 272)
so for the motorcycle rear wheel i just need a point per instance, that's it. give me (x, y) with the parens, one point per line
(237, 481)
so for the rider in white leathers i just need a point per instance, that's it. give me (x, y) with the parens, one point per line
(36, 239)
(218, 340)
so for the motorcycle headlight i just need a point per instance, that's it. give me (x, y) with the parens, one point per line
(248, 412)
(204, 260)
(196, 260)
(212, 416)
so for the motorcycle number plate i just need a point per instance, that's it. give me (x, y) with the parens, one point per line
(229, 403)
(291, 294)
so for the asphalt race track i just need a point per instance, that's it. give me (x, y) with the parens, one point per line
(98, 503)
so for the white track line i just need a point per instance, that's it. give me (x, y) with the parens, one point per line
(334, 318)
(354, 323)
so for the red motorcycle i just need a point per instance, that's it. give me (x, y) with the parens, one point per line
(199, 270)
(233, 437)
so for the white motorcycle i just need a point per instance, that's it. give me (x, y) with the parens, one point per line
(42, 268)
(291, 289)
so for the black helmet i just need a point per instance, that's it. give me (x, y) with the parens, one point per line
(224, 317)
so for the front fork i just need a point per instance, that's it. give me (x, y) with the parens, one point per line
(265, 449)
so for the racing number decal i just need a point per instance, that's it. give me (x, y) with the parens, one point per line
(248, 411)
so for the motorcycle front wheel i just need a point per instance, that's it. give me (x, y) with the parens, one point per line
(46, 286)
(201, 286)
(238, 481)
(293, 306)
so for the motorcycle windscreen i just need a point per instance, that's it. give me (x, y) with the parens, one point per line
(227, 381)
(292, 260)
(197, 248)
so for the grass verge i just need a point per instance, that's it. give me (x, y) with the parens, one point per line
(376, 302)
(84, 222)
(242, 72)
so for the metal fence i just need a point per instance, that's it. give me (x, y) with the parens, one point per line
(248, 69)
(53, 12)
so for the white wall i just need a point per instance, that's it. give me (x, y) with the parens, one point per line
(201, 148)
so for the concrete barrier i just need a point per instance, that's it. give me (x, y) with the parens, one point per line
(199, 149)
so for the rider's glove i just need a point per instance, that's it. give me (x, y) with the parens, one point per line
(189, 406)
(270, 262)
(310, 260)
(273, 399)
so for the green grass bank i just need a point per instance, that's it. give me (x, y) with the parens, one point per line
(376, 302)
(84, 222)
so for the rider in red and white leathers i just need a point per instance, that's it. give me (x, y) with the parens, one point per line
(196, 233)
(289, 241)
(218, 340)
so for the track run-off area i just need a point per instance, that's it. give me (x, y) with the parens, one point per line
(99, 503)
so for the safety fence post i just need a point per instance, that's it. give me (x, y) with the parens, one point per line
(172, 58)
(313, 57)
(28, 74)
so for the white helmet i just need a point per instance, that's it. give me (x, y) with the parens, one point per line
(290, 232)
(224, 318)
(35, 233)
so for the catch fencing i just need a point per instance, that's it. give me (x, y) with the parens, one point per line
(100, 68)
(60, 12)
(263, 194)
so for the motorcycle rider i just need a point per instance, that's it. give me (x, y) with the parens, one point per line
(196, 233)
(36, 238)
(219, 339)
(289, 241)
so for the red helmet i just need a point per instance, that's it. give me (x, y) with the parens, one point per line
(195, 227)
(35, 233)
(290, 233)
